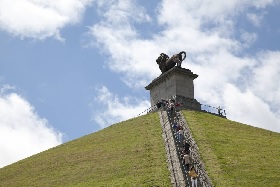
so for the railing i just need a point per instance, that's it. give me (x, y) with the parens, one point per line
(204, 108)
(153, 108)
(213, 110)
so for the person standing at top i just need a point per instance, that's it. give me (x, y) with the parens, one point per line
(159, 104)
(164, 102)
(219, 110)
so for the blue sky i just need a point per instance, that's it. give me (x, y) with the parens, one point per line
(72, 67)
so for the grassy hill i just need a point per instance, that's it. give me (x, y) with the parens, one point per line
(236, 154)
(131, 153)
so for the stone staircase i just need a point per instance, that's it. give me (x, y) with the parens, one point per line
(179, 174)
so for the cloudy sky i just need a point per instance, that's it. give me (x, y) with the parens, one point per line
(72, 67)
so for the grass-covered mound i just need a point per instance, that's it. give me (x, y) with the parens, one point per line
(236, 154)
(130, 153)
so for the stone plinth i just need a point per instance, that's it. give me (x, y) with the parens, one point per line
(175, 82)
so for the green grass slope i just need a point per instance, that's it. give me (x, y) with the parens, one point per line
(130, 153)
(235, 154)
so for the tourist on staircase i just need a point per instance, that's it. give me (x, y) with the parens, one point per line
(187, 160)
(186, 146)
(175, 126)
(193, 176)
(180, 134)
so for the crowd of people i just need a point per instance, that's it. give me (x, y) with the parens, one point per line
(172, 104)
(182, 142)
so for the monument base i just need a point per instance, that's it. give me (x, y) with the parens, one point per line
(187, 103)
(175, 83)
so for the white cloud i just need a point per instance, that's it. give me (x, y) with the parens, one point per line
(255, 19)
(119, 39)
(214, 72)
(206, 30)
(39, 18)
(111, 109)
(134, 57)
(22, 132)
(262, 3)
(248, 38)
(265, 78)
(118, 12)
(247, 108)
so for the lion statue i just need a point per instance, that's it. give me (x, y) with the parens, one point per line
(165, 63)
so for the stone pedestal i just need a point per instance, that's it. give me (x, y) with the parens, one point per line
(176, 82)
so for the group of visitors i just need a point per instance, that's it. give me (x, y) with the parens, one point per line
(182, 142)
(184, 151)
(221, 112)
(170, 104)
